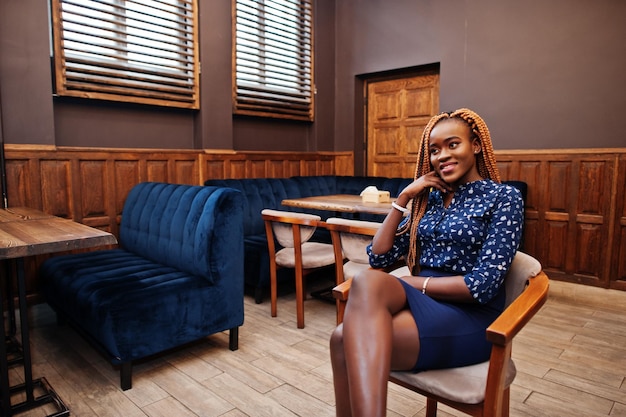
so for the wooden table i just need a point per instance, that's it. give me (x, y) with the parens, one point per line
(345, 203)
(27, 232)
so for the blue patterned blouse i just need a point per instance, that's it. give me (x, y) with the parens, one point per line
(476, 236)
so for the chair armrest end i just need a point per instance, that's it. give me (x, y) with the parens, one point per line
(341, 291)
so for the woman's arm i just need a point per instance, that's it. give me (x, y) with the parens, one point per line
(442, 288)
(499, 247)
(503, 235)
(385, 237)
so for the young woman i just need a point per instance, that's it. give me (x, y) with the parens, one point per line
(459, 240)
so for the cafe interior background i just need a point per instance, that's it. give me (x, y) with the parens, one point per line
(548, 78)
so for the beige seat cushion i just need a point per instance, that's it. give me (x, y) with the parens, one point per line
(314, 255)
(465, 384)
(354, 247)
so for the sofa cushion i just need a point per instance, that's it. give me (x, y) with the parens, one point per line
(133, 307)
(259, 193)
(166, 223)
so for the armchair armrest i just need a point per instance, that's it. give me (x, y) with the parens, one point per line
(501, 333)
(341, 291)
(515, 316)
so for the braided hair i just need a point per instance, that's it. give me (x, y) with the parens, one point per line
(485, 160)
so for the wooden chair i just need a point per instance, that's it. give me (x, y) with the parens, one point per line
(350, 239)
(482, 389)
(292, 231)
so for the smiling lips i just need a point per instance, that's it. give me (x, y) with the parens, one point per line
(446, 168)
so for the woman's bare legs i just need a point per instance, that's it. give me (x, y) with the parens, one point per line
(374, 330)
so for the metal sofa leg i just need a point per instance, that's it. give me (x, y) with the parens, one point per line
(233, 338)
(126, 376)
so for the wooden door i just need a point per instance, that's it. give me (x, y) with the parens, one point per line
(397, 112)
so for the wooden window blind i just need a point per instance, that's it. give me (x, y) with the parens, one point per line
(273, 58)
(140, 51)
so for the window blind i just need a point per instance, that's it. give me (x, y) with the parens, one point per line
(273, 58)
(142, 51)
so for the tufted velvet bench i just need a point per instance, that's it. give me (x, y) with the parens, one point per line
(267, 193)
(176, 277)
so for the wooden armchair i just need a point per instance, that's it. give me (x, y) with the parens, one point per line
(482, 389)
(292, 231)
(350, 239)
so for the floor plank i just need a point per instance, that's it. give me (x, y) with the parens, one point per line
(571, 360)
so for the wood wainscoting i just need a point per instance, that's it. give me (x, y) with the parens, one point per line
(89, 185)
(575, 210)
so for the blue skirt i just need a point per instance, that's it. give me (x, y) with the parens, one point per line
(451, 334)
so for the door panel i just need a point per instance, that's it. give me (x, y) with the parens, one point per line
(397, 112)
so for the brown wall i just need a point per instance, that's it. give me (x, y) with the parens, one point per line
(32, 116)
(543, 74)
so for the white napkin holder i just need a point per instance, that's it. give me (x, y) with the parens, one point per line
(371, 194)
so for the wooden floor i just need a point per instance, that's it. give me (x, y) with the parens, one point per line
(571, 361)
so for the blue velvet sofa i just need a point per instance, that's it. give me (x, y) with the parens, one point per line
(176, 277)
(262, 193)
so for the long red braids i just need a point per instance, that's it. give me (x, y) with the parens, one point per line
(487, 168)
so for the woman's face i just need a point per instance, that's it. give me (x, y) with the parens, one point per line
(453, 153)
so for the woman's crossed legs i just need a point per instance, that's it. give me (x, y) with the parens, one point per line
(378, 334)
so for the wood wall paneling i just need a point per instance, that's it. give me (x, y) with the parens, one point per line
(92, 177)
(556, 215)
(57, 188)
(575, 213)
(593, 217)
(344, 163)
(156, 170)
(20, 171)
(213, 169)
(127, 175)
(617, 270)
(185, 172)
(310, 166)
(292, 169)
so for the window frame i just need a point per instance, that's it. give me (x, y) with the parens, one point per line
(266, 95)
(160, 66)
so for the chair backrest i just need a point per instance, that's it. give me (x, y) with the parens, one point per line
(354, 235)
(350, 239)
(522, 268)
(282, 225)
